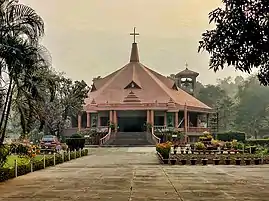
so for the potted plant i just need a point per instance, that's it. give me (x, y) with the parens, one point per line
(165, 161)
(199, 146)
(173, 161)
(227, 161)
(204, 161)
(175, 148)
(238, 161)
(216, 161)
(257, 161)
(247, 161)
(193, 161)
(163, 150)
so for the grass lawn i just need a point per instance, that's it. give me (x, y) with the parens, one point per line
(21, 160)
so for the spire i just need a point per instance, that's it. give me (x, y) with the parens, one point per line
(134, 52)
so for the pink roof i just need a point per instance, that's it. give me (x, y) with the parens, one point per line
(137, 85)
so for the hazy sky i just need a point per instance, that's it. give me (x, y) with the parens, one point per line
(88, 38)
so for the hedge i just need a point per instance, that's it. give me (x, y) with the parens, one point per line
(231, 135)
(75, 142)
(22, 169)
(255, 142)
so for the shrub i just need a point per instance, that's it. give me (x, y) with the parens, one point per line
(199, 145)
(231, 135)
(76, 142)
(261, 142)
(164, 149)
(4, 153)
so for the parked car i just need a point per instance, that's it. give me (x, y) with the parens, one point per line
(49, 142)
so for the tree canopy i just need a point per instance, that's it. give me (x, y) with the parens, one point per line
(240, 38)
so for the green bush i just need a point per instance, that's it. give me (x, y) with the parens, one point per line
(4, 153)
(231, 135)
(76, 142)
(255, 142)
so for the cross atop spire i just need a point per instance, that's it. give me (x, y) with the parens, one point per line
(134, 34)
(186, 65)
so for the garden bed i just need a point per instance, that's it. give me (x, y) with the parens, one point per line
(23, 166)
(210, 158)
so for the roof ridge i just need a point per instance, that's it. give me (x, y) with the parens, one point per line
(159, 82)
(135, 77)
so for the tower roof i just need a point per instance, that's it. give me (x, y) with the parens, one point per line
(187, 72)
(136, 83)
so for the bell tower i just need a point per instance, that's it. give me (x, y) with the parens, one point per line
(186, 80)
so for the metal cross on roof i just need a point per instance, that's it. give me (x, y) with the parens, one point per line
(134, 34)
(186, 65)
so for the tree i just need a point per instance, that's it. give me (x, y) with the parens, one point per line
(241, 37)
(21, 56)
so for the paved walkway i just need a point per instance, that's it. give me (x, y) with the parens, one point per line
(123, 174)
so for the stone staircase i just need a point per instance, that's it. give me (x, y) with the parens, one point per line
(130, 139)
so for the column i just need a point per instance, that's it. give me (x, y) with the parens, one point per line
(115, 119)
(88, 120)
(165, 119)
(152, 117)
(98, 120)
(79, 122)
(185, 119)
(111, 116)
(188, 121)
(148, 116)
(176, 119)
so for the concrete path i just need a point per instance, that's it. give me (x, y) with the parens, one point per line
(123, 174)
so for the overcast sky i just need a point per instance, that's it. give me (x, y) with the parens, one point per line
(88, 38)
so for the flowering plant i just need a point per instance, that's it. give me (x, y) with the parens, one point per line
(164, 149)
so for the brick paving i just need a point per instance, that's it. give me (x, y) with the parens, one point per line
(123, 174)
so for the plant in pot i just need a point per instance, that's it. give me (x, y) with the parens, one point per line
(173, 161)
(257, 161)
(238, 161)
(247, 161)
(175, 148)
(193, 161)
(227, 161)
(216, 161)
(204, 161)
(164, 150)
(200, 146)
(183, 161)
(112, 126)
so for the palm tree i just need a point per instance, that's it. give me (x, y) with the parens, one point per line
(22, 58)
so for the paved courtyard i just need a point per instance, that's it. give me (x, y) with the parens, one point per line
(122, 174)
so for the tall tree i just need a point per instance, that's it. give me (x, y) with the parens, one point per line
(240, 37)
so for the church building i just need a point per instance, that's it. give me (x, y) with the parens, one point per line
(135, 95)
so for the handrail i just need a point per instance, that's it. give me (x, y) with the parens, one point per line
(154, 137)
(104, 139)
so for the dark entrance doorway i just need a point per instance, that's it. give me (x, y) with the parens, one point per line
(132, 121)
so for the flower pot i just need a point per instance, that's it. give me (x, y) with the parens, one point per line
(216, 161)
(183, 161)
(227, 161)
(204, 161)
(165, 161)
(238, 161)
(173, 161)
(247, 161)
(193, 161)
(256, 161)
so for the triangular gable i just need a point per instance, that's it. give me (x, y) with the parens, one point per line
(93, 88)
(175, 87)
(132, 85)
(131, 97)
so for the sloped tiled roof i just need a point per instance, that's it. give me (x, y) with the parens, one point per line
(153, 86)
(187, 72)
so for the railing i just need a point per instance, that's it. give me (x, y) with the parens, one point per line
(106, 137)
(154, 137)
(198, 129)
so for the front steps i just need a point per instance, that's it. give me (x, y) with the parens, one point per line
(129, 139)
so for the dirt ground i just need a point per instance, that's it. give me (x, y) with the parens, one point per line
(123, 174)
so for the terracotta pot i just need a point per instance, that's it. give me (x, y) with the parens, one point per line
(216, 161)
(257, 161)
(227, 161)
(247, 161)
(183, 161)
(237, 161)
(165, 161)
(173, 161)
(204, 161)
(193, 161)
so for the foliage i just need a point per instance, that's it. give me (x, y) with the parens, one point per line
(261, 142)
(240, 37)
(199, 145)
(24, 149)
(164, 149)
(4, 153)
(231, 135)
